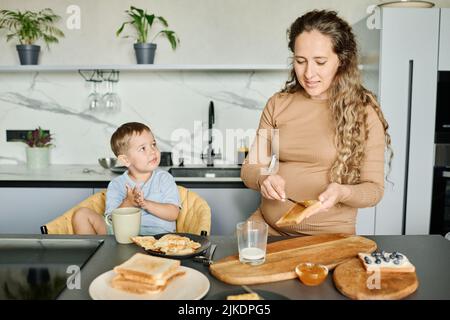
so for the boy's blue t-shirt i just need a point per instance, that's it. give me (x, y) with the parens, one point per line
(160, 188)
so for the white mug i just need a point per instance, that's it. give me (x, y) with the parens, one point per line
(126, 223)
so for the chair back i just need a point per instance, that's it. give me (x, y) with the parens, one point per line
(194, 216)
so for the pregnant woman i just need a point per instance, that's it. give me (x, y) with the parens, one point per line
(327, 131)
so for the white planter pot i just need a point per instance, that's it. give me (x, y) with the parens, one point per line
(38, 158)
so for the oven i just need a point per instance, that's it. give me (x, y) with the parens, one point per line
(440, 208)
(442, 131)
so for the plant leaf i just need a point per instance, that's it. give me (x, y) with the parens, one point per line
(163, 21)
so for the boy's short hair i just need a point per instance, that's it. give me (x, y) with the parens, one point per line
(121, 137)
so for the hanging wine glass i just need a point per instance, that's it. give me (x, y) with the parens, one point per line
(111, 99)
(94, 99)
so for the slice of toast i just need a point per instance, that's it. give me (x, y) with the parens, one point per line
(151, 281)
(298, 212)
(244, 296)
(386, 262)
(147, 268)
(138, 287)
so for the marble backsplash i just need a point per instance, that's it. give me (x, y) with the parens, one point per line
(173, 103)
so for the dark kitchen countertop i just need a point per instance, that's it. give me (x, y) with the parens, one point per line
(429, 253)
(76, 176)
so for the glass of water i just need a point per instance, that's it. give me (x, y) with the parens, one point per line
(252, 242)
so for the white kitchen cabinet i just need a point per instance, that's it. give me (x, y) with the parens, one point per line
(228, 207)
(444, 40)
(407, 94)
(24, 210)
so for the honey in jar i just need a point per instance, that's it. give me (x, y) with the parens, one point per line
(311, 274)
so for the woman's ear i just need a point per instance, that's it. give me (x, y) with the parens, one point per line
(123, 159)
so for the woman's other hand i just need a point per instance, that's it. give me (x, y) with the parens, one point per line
(273, 188)
(334, 193)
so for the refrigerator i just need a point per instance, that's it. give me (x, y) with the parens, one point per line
(399, 54)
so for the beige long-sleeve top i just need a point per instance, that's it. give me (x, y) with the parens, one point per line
(306, 154)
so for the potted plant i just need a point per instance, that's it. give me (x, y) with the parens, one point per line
(143, 22)
(38, 150)
(28, 27)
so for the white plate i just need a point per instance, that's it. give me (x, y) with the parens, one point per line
(193, 285)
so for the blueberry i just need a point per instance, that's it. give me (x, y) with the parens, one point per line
(367, 260)
(386, 259)
(399, 257)
(392, 256)
(374, 254)
(377, 261)
(396, 261)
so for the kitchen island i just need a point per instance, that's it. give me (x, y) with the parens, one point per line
(429, 253)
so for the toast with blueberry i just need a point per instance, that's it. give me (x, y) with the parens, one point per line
(386, 262)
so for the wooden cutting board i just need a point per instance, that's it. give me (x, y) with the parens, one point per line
(352, 281)
(283, 256)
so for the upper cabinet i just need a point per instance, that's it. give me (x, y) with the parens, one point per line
(444, 40)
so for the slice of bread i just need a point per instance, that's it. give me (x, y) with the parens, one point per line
(298, 212)
(150, 281)
(139, 287)
(386, 262)
(121, 283)
(244, 296)
(147, 268)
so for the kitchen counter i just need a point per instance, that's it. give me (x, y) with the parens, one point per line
(89, 176)
(429, 253)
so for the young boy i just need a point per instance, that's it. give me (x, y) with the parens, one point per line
(143, 185)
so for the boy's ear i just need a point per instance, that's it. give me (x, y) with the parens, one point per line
(123, 160)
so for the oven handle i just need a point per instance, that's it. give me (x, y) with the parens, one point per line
(445, 174)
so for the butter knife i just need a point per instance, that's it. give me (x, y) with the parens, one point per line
(207, 259)
(293, 201)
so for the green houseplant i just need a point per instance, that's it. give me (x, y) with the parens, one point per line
(143, 23)
(28, 27)
(38, 150)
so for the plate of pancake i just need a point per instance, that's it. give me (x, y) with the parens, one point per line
(173, 245)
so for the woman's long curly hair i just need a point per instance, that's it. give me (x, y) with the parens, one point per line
(348, 98)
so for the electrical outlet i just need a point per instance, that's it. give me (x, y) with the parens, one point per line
(18, 135)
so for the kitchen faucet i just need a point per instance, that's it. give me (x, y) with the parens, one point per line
(210, 154)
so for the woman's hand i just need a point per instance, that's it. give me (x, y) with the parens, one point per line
(273, 188)
(334, 193)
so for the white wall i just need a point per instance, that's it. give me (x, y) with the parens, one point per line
(211, 32)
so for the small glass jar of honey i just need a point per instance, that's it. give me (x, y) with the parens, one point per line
(311, 274)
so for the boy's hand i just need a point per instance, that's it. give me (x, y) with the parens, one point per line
(130, 198)
(138, 197)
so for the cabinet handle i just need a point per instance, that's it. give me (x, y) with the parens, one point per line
(408, 141)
